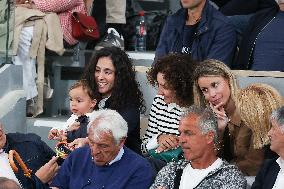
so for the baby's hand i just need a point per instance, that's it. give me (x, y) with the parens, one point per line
(53, 133)
(74, 126)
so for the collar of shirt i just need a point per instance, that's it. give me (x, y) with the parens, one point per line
(280, 162)
(118, 157)
(171, 106)
(102, 103)
(1, 151)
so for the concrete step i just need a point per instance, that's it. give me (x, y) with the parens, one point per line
(10, 78)
(42, 125)
(13, 111)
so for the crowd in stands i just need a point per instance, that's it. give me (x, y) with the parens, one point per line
(207, 131)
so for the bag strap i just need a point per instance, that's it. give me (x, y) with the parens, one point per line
(177, 178)
(89, 7)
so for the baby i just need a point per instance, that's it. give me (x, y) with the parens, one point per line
(82, 103)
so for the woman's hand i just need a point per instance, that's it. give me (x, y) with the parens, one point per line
(22, 1)
(79, 142)
(167, 142)
(26, 3)
(222, 117)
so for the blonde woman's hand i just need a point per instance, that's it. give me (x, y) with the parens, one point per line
(221, 115)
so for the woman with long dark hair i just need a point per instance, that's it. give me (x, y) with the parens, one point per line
(111, 72)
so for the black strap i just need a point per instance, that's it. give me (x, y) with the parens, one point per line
(177, 179)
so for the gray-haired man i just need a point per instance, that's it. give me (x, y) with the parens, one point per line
(271, 174)
(105, 162)
(201, 167)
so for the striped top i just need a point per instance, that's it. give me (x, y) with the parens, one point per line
(163, 119)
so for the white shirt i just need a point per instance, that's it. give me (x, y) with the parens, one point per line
(72, 119)
(279, 182)
(5, 168)
(118, 157)
(191, 177)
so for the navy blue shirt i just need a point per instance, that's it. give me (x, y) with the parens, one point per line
(188, 36)
(269, 49)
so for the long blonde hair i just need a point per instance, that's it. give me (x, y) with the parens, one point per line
(255, 104)
(209, 68)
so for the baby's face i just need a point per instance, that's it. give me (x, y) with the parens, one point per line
(80, 102)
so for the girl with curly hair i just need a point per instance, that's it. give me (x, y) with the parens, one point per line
(172, 75)
(216, 86)
(111, 72)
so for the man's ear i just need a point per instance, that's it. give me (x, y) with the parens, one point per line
(210, 137)
(122, 141)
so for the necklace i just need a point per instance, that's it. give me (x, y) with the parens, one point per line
(193, 22)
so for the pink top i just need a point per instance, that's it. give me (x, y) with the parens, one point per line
(63, 8)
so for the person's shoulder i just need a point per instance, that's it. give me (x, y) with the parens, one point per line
(81, 151)
(134, 158)
(227, 176)
(159, 98)
(268, 163)
(218, 18)
(177, 17)
(231, 172)
(133, 155)
(21, 137)
(175, 165)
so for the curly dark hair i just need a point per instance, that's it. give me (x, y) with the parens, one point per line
(177, 70)
(125, 91)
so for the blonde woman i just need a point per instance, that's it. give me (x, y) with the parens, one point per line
(216, 86)
(256, 103)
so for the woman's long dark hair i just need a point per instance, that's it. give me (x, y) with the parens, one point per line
(125, 91)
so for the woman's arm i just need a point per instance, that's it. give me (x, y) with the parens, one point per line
(56, 6)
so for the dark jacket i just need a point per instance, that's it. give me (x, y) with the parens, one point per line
(256, 24)
(267, 175)
(81, 132)
(215, 37)
(241, 7)
(131, 115)
(33, 151)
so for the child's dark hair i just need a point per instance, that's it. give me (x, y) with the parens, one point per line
(93, 94)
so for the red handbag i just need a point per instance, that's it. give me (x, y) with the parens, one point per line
(84, 27)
